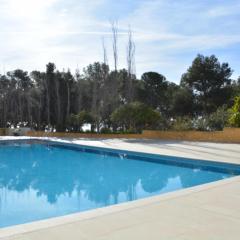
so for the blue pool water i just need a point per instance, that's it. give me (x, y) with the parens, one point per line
(42, 180)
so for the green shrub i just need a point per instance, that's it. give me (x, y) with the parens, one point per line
(105, 130)
(234, 112)
(213, 122)
(217, 120)
(135, 117)
(76, 121)
(200, 124)
(182, 124)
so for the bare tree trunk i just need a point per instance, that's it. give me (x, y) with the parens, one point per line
(130, 64)
(79, 90)
(114, 84)
(20, 107)
(59, 120)
(115, 44)
(94, 108)
(40, 105)
(5, 111)
(105, 58)
(29, 107)
(47, 101)
(68, 100)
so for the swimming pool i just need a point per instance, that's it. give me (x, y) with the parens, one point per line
(41, 179)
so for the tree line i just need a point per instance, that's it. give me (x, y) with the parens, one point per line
(115, 100)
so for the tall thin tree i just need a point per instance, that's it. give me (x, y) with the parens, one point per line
(115, 43)
(105, 58)
(130, 64)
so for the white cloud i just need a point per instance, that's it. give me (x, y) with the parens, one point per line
(168, 34)
(171, 33)
(226, 10)
(27, 8)
(34, 32)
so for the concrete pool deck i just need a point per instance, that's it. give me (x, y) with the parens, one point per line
(210, 211)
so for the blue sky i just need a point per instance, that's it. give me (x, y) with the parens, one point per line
(168, 33)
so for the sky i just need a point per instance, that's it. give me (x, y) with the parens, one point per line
(168, 34)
